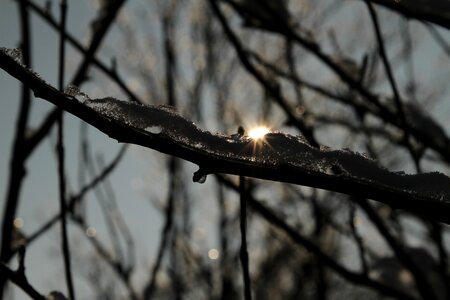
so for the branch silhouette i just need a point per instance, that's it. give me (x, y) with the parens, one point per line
(426, 10)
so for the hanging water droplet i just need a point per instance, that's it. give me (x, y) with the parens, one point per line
(199, 176)
(202, 179)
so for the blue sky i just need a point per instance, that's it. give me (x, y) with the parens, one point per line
(136, 175)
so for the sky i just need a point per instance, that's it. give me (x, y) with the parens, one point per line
(132, 178)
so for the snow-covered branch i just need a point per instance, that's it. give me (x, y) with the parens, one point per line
(279, 157)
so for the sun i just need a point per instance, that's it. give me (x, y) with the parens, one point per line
(258, 133)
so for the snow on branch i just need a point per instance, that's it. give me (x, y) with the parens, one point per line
(277, 157)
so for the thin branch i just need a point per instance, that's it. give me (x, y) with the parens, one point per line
(149, 289)
(102, 24)
(19, 278)
(76, 198)
(244, 251)
(436, 233)
(121, 271)
(105, 203)
(119, 220)
(61, 164)
(423, 285)
(358, 239)
(397, 99)
(168, 231)
(408, 51)
(17, 166)
(101, 176)
(223, 224)
(387, 65)
(351, 101)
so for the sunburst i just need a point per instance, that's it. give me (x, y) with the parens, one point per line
(258, 133)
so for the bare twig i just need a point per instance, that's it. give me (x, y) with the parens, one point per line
(436, 233)
(119, 220)
(244, 251)
(423, 285)
(76, 198)
(173, 164)
(358, 239)
(17, 167)
(387, 65)
(122, 272)
(18, 277)
(397, 98)
(105, 200)
(61, 163)
(166, 234)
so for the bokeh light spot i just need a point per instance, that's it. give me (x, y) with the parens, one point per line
(18, 223)
(213, 254)
(91, 232)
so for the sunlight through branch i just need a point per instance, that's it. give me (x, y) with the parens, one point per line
(258, 133)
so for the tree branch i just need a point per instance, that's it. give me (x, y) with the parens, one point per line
(244, 252)
(279, 157)
(17, 170)
(60, 159)
(433, 11)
